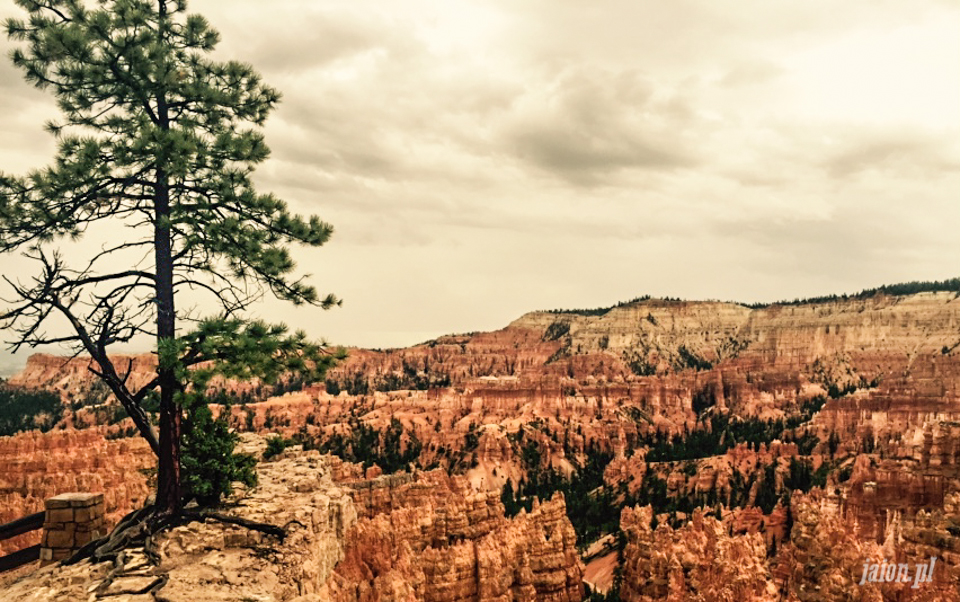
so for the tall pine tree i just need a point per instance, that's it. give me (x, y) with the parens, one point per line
(159, 141)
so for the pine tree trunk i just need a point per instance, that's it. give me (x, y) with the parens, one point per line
(168, 474)
(168, 471)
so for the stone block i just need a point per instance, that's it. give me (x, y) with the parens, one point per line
(62, 553)
(70, 527)
(74, 500)
(93, 525)
(86, 500)
(59, 515)
(60, 539)
(82, 538)
(84, 515)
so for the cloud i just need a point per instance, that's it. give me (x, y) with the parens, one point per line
(905, 153)
(589, 123)
(751, 73)
(304, 39)
(482, 158)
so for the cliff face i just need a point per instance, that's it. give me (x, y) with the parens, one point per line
(657, 355)
(72, 377)
(887, 367)
(416, 538)
(430, 537)
(39, 466)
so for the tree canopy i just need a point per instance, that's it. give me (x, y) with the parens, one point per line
(159, 141)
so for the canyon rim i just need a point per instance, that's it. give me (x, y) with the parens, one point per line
(653, 450)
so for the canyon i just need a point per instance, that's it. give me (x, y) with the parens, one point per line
(405, 537)
(860, 395)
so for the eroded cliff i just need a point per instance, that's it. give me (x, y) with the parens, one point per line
(420, 537)
(866, 389)
(428, 536)
(38, 466)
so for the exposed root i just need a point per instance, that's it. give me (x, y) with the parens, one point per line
(278, 532)
(137, 530)
(127, 532)
(117, 572)
(150, 550)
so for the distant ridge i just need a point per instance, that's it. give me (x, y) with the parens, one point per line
(950, 285)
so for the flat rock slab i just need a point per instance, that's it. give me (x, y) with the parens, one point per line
(130, 585)
(74, 500)
(186, 592)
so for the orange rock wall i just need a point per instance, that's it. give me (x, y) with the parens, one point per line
(429, 537)
(39, 466)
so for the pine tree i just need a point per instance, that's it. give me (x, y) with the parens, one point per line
(159, 141)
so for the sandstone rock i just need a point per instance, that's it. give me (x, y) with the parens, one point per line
(569, 380)
(39, 466)
(207, 562)
(430, 537)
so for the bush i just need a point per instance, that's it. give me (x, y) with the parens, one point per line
(208, 462)
(275, 446)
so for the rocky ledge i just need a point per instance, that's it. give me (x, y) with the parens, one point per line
(425, 537)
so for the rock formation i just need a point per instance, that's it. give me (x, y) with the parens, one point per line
(426, 538)
(71, 377)
(431, 537)
(823, 562)
(699, 559)
(39, 466)
(825, 558)
(887, 368)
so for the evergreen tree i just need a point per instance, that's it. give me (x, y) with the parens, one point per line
(510, 505)
(160, 141)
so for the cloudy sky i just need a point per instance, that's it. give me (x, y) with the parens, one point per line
(483, 159)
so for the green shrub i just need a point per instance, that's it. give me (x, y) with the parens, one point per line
(275, 446)
(208, 462)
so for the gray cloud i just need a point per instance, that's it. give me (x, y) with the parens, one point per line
(481, 159)
(299, 44)
(905, 152)
(588, 123)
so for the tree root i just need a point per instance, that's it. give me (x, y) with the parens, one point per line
(278, 532)
(138, 529)
(120, 538)
(155, 584)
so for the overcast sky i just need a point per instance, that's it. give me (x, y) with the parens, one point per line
(483, 159)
